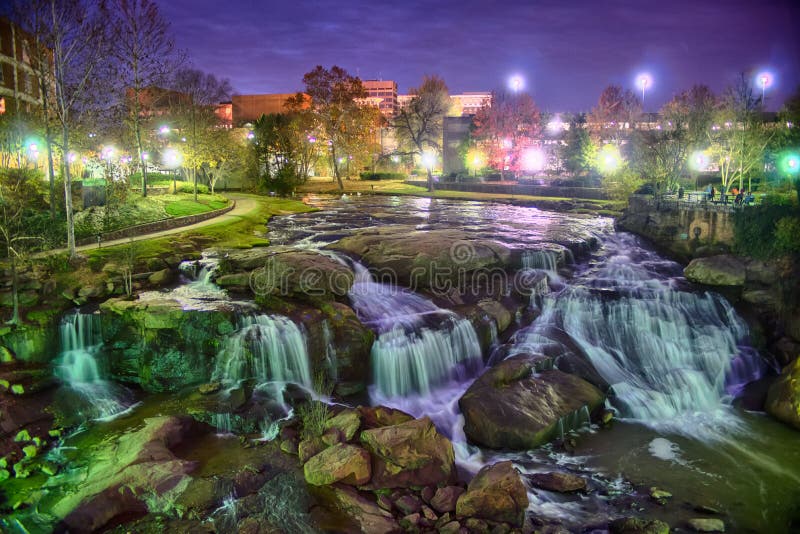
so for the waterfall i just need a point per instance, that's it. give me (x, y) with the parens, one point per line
(269, 348)
(201, 286)
(78, 368)
(419, 346)
(546, 260)
(667, 353)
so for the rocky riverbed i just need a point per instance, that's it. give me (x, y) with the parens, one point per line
(394, 365)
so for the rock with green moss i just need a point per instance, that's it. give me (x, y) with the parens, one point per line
(17, 389)
(4, 474)
(409, 454)
(336, 337)
(6, 356)
(636, 525)
(343, 463)
(161, 277)
(783, 397)
(706, 524)
(511, 407)
(285, 272)
(23, 468)
(497, 494)
(22, 435)
(721, 270)
(30, 451)
(347, 422)
(161, 346)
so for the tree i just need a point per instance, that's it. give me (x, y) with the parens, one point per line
(284, 144)
(20, 207)
(195, 113)
(33, 16)
(79, 41)
(739, 136)
(691, 112)
(143, 54)
(616, 110)
(344, 124)
(577, 152)
(419, 124)
(511, 125)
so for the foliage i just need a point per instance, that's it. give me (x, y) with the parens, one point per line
(383, 176)
(19, 193)
(281, 183)
(285, 144)
(756, 232)
(615, 109)
(659, 156)
(344, 124)
(739, 136)
(578, 152)
(419, 124)
(787, 235)
(622, 184)
(507, 128)
(141, 55)
(315, 414)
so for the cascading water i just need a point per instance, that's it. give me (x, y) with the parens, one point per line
(271, 350)
(666, 353)
(78, 368)
(420, 346)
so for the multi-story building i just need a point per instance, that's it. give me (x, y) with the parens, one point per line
(19, 80)
(383, 95)
(461, 105)
(248, 108)
(466, 104)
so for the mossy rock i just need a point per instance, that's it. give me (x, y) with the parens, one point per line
(783, 397)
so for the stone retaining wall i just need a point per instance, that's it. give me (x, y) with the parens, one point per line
(517, 189)
(157, 226)
(680, 230)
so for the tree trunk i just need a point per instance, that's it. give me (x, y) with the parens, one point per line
(14, 287)
(336, 169)
(430, 179)
(194, 174)
(68, 192)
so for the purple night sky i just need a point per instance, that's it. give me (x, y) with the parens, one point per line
(567, 51)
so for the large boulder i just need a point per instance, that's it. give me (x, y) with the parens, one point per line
(510, 406)
(721, 270)
(343, 463)
(409, 454)
(424, 259)
(358, 509)
(497, 494)
(783, 398)
(130, 475)
(337, 337)
(161, 346)
(287, 272)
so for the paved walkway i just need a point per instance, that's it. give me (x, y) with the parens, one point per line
(244, 204)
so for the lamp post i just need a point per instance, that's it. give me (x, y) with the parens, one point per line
(516, 83)
(764, 80)
(644, 82)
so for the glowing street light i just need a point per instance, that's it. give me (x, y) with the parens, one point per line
(533, 160)
(164, 130)
(516, 83)
(71, 157)
(644, 81)
(609, 160)
(764, 80)
(429, 160)
(699, 161)
(251, 135)
(475, 160)
(172, 158)
(790, 164)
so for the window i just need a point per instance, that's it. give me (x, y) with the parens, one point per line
(28, 83)
(26, 52)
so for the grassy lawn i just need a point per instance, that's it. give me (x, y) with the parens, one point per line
(239, 231)
(184, 207)
(137, 210)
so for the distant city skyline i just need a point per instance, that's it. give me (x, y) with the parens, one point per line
(567, 52)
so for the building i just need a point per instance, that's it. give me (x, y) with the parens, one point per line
(461, 105)
(224, 112)
(455, 131)
(19, 81)
(383, 95)
(467, 104)
(248, 108)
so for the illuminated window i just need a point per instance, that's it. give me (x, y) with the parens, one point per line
(2, 105)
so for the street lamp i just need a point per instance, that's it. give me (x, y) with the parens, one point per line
(644, 81)
(164, 130)
(764, 80)
(516, 82)
(609, 160)
(533, 160)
